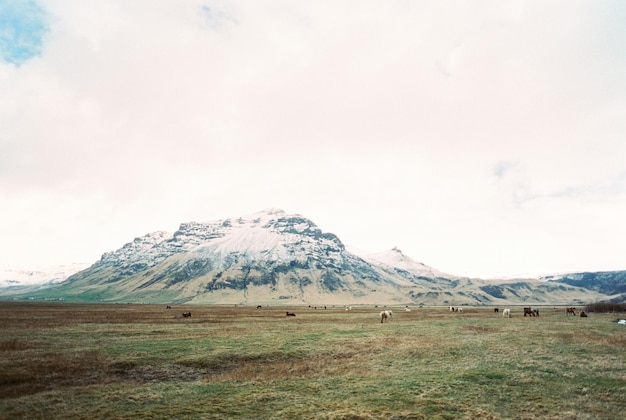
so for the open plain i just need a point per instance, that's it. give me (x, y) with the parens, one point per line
(61, 360)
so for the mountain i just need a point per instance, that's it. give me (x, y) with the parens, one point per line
(612, 283)
(275, 257)
(265, 257)
(399, 263)
(17, 276)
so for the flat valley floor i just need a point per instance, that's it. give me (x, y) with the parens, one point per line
(133, 361)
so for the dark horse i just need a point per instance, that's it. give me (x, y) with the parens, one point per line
(570, 311)
(528, 311)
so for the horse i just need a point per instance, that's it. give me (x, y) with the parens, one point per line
(528, 311)
(186, 314)
(289, 314)
(536, 312)
(259, 307)
(496, 310)
(583, 314)
(570, 311)
(506, 313)
(385, 315)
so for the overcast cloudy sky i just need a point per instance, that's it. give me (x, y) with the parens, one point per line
(480, 137)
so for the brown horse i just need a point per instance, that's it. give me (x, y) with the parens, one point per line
(528, 311)
(570, 311)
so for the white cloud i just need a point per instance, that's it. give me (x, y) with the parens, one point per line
(477, 137)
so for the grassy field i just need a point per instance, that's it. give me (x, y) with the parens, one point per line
(139, 362)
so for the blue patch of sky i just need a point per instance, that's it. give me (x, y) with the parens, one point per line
(501, 169)
(215, 18)
(23, 24)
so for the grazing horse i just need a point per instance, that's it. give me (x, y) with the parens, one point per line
(506, 313)
(259, 307)
(186, 314)
(570, 311)
(583, 314)
(528, 311)
(289, 314)
(496, 310)
(385, 315)
(536, 312)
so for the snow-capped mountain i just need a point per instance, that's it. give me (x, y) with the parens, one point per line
(11, 275)
(394, 259)
(266, 256)
(271, 257)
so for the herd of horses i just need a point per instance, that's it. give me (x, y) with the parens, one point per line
(528, 311)
(386, 315)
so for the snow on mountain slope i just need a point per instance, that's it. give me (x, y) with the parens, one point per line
(24, 276)
(268, 235)
(394, 258)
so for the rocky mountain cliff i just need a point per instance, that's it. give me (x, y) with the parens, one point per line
(275, 257)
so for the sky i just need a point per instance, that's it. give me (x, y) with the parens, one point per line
(482, 138)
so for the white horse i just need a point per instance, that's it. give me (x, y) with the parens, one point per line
(506, 313)
(385, 315)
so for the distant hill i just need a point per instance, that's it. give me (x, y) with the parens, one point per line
(16, 276)
(611, 283)
(275, 257)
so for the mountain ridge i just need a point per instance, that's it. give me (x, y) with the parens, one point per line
(271, 256)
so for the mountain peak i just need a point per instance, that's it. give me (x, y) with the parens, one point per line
(273, 256)
(395, 258)
(269, 213)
